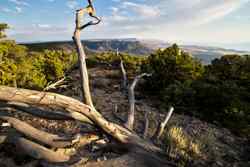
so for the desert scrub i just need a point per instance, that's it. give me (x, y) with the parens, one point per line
(181, 146)
(132, 63)
(33, 70)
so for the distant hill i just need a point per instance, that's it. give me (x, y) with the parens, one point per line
(135, 46)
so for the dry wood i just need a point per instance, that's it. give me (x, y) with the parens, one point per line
(55, 85)
(72, 105)
(82, 60)
(86, 139)
(124, 76)
(131, 95)
(81, 53)
(34, 111)
(35, 150)
(146, 125)
(52, 100)
(163, 124)
(124, 73)
(40, 136)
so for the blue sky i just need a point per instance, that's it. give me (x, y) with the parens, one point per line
(223, 23)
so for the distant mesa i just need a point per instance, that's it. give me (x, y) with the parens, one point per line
(135, 46)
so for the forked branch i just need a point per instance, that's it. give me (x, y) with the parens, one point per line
(131, 95)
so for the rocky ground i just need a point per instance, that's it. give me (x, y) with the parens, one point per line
(218, 146)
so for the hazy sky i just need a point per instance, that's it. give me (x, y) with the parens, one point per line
(210, 22)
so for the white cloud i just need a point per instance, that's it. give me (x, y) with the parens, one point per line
(197, 11)
(72, 4)
(18, 9)
(44, 26)
(19, 2)
(142, 10)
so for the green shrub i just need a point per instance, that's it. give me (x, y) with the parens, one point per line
(8, 71)
(219, 92)
(132, 63)
(33, 70)
(169, 66)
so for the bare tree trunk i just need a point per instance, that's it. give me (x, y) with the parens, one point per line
(131, 95)
(82, 60)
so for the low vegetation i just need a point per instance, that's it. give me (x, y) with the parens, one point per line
(132, 63)
(22, 68)
(181, 146)
(218, 92)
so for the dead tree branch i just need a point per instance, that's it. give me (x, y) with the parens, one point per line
(82, 59)
(40, 136)
(124, 73)
(55, 85)
(163, 124)
(146, 125)
(131, 115)
(81, 54)
(72, 105)
(35, 111)
(46, 99)
(33, 149)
